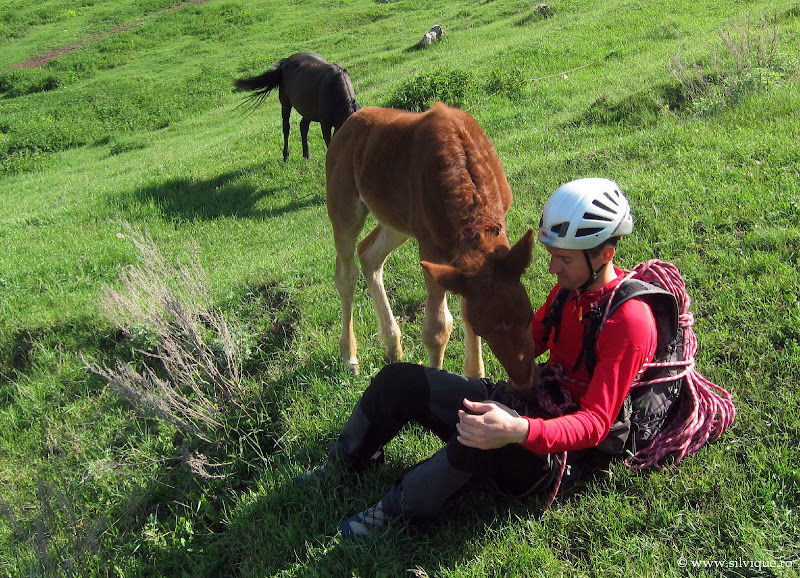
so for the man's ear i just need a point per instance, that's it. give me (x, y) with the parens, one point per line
(447, 276)
(608, 253)
(519, 257)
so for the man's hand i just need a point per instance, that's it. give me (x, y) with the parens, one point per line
(494, 427)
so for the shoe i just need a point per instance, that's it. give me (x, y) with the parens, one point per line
(333, 466)
(321, 472)
(363, 524)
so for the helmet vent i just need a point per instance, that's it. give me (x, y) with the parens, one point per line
(560, 229)
(593, 217)
(606, 208)
(612, 199)
(588, 231)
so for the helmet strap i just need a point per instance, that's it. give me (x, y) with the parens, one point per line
(592, 273)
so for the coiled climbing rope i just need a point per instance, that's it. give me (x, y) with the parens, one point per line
(705, 410)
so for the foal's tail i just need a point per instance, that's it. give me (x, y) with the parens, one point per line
(260, 85)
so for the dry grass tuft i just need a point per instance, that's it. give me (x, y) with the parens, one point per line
(191, 364)
(748, 59)
(63, 540)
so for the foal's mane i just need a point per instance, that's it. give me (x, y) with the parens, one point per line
(475, 203)
(479, 249)
(469, 169)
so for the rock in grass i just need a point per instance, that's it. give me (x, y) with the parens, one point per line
(431, 36)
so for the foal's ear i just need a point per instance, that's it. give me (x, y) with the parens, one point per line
(447, 276)
(519, 257)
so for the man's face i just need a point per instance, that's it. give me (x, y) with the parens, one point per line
(569, 267)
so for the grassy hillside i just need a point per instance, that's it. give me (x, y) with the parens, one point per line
(118, 117)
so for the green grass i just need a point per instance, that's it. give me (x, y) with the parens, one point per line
(140, 125)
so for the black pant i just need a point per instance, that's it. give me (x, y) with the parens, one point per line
(403, 393)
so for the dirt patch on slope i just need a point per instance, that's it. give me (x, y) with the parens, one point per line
(45, 57)
(41, 59)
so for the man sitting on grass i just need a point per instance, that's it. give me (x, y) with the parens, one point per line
(497, 431)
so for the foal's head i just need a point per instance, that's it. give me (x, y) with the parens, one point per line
(496, 305)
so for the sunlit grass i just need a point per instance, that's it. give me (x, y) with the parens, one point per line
(140, 125)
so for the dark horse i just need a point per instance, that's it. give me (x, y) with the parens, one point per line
(319, 91)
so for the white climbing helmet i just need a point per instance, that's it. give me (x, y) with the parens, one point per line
(582, 214)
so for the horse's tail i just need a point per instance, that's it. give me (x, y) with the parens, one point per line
(260, 85)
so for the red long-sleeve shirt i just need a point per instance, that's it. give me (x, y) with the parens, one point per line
(626, 342)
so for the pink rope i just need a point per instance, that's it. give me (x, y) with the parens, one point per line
(557, 483)
(706, 410)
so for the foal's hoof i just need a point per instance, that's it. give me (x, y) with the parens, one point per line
(394, 356)
(353, 367)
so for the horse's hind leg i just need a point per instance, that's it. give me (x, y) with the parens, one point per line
(326, 133)
(346, 228)
(286, 111)
(372, 252)
(347, 214)
(304, 124)
(438, 323)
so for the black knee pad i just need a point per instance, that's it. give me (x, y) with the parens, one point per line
(400, 390)
(474, 460)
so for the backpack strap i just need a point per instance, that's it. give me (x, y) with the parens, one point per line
(552, 321)
(662, 303)
(665, 311)
(647, 408)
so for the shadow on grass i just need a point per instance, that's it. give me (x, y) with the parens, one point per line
(291, 529)
(177, 522)
(257, 521)
(223, 196)
(18, 350)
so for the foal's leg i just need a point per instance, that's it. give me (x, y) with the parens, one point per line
(473, 360)
(347, 224)
(286, 111)
(438, 323)
(304, 124)
(372, 252)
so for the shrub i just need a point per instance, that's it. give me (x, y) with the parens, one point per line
(127, 145)
(418, 94)
(748, 60)
(192, 376)
(20, 82)
(510, 83)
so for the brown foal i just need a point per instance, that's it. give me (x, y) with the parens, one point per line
(434, 176)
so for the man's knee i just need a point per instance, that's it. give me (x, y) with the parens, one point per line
(399, 390)
(469, 459)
